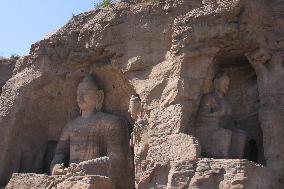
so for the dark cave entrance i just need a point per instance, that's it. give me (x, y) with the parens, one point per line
(243, 97)
(252, 151)
(48, 156)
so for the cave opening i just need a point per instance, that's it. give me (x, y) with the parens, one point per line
(252, 151)
(48, 156)
(243, 97)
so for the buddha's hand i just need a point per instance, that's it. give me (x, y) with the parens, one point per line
(58, 169)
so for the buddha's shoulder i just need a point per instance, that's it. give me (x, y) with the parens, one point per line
(98, 118)
(73, 123)
(108, 118)
(112, 122)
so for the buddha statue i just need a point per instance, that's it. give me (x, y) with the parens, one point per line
(96, 143)
(212, 122)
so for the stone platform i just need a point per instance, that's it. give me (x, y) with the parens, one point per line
(201, 173)
(39, 181)
(206, 173)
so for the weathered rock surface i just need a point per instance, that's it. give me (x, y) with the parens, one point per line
(168, 54)
(6, 70)
(28, 181)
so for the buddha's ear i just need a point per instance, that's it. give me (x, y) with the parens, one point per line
(100, 100)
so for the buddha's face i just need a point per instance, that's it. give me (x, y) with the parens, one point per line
(89, 99)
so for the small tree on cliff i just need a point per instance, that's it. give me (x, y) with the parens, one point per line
(104, 3)
(14, 56)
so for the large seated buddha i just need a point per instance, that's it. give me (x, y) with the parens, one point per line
(95, 143)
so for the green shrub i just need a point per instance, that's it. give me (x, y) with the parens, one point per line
(104, 3)
(14, 56)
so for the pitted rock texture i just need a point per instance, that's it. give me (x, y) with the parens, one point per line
(6, 70)
(27, 181)
(167, 53)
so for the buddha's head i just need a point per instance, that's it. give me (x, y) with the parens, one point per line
(221, 85)
(89, 97)
(134, 106)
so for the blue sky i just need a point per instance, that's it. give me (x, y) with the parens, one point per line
(23, 22)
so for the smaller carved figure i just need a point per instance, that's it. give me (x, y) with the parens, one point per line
(135, 112)
(139, 136)
(215, 112)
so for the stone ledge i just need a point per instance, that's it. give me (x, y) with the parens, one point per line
(39, 181)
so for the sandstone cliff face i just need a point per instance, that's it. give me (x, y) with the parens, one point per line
(6, 70)
(167, 52)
